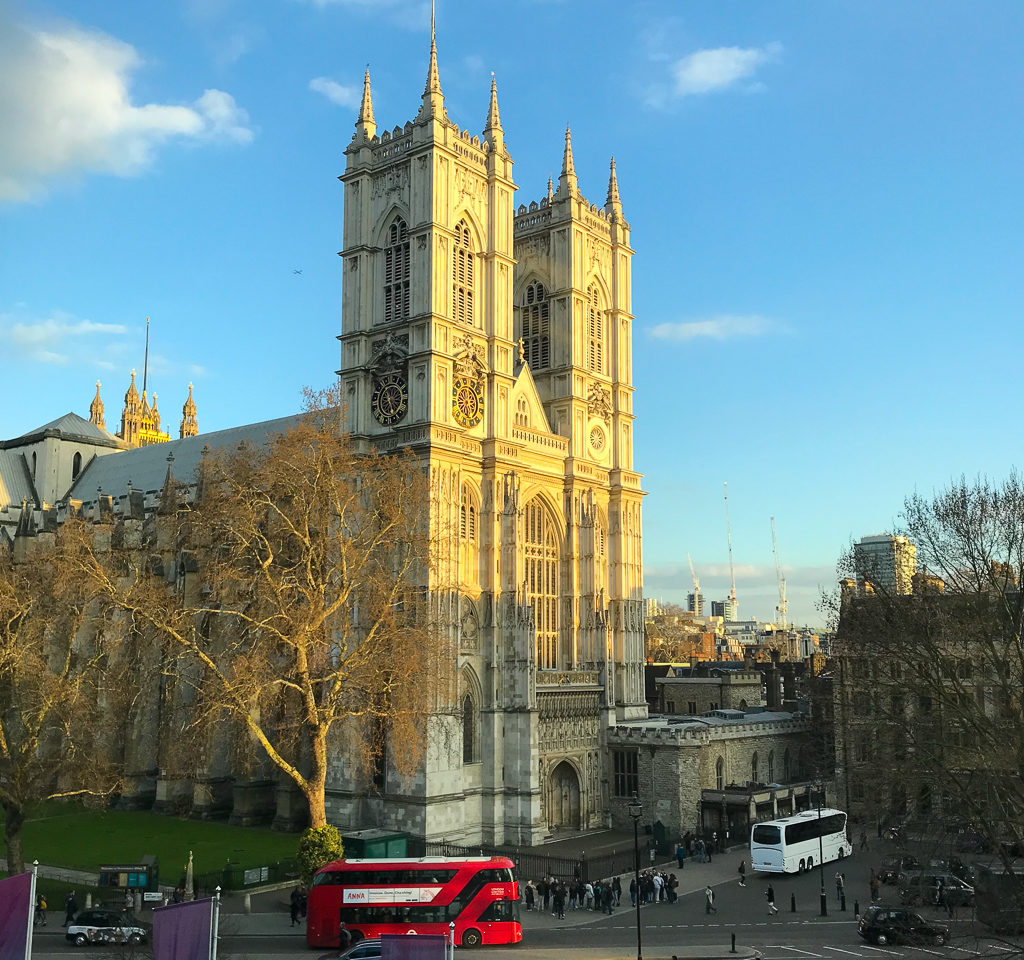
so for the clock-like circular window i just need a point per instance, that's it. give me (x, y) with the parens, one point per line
(597, 439)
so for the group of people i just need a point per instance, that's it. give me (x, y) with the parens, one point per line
(552, 894)
(70, 909)
(691, 846)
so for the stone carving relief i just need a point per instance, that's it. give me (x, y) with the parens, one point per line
(389, 353)
(392, 183)
(469, 358)
(599, 402)
(468, 187)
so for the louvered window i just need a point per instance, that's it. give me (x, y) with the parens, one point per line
(595, 332)
(396, 273)
(541, 551)
(535, 333)
(462, 275)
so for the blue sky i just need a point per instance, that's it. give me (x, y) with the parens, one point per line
(825, 200)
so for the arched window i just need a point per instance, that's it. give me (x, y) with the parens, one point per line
(753, 768)
(771, 766)
(33, 466)
(719, 774)
(787, 773)
(535, 327)
(469, 737)
(462, 275)
(522, 413)
(595, 331)
(542, 582)
(396, 273)
(76, 465)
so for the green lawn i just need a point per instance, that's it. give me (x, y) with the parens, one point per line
(68, 836)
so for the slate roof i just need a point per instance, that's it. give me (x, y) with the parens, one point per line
(71, 425)
(146, 467)
(15, 484)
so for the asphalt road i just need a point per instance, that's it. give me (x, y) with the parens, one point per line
(675, 928)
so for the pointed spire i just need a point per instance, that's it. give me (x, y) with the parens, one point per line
(567, 178)
(612, 203)
(169, 493)
(96, 410)
(132, 393)
(365, 123)
(493, 131)
(189, 424)
(551, 189)
(433, 99)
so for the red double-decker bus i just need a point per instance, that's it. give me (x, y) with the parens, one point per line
(374, 897)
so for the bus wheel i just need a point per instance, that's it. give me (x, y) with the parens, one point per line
(802, 867)
(842, 853)
(810, 863)
(471, 938)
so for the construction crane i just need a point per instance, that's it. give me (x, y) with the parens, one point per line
(698, 604)
(782, 609)
(732, 572)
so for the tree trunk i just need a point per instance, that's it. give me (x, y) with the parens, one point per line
(14, 820)
(317, 806)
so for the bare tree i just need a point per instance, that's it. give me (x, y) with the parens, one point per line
(58, 713)
(305, 623)
(929, 713)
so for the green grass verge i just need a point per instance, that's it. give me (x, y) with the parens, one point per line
(66, 835)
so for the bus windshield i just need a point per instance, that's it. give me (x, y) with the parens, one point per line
(766, 834)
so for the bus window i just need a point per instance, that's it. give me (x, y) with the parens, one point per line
(766, 835)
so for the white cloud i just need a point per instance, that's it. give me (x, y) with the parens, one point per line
(53, 339)
(708, 71)
(336, 92)
(66, 109)
(725, 327)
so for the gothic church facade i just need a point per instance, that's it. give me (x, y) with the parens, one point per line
(495, 342)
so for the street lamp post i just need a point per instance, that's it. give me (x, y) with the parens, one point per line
(819, 789)
(636, 811)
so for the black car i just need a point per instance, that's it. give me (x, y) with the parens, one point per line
(881, 925)
(936, 888)
(892, 867)
(105, 926)
(366, 949)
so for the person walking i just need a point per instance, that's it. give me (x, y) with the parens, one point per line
(616, 891)
(40, 915)
(344, 937)
(863, 839)
(70, 908)
(840, 886)
(769, 895)
(681, 853)
(531, 894)
(709, 900)
(295, 905)
(743, 873)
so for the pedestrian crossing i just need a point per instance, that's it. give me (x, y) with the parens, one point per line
(868, 952)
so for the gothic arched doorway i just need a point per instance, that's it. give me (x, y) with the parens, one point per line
(564, 798)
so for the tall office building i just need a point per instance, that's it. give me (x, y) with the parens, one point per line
(885, 563)
(695, 603)
(726, 609)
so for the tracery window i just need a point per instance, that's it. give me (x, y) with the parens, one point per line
(542, 581)
(536, 327)
(719, 774)
(396, 273)
(595, 331)
(771, 766)
(753, 768)
(76, 465)
(462, 275)
(469, 724)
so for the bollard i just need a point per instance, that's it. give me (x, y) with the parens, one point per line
(842, 902)
(856, 909)
(792, 903)
(733, 949)
(247, 904)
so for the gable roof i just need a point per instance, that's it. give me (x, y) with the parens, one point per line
(526, 388)
(146, 467)
(68, 427)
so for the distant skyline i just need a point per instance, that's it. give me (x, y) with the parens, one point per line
(825, 201)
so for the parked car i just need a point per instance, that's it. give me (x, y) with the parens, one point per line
(881, 924)
(368, 949)
(955, 866)
(924, 888)
(105, 926)
(892, 867)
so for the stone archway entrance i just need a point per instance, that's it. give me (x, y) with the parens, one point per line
(564, 798)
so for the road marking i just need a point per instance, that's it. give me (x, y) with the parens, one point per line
(973, 953)
(852, 953)
(806, 953)
(892, 953)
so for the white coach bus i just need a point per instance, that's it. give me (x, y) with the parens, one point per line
(797, 843)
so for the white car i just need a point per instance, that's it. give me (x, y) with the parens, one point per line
(105, 926)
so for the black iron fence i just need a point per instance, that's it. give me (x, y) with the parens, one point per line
(235, 876)
(531, 865)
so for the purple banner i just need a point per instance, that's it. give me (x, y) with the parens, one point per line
(15, 916)
(406, 947)
(182, 931)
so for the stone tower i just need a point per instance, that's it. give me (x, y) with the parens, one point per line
(513, 384)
